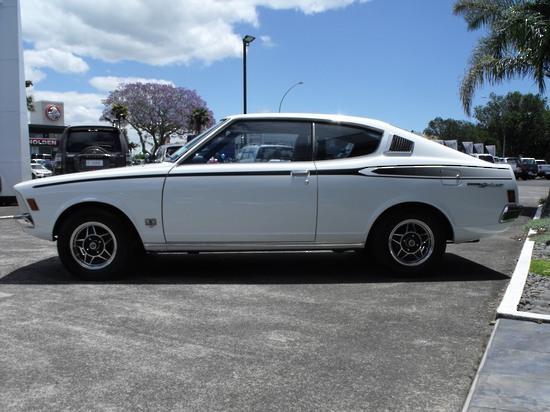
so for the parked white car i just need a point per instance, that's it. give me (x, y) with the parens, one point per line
(351, 183)
(38, 171)
(482, 156)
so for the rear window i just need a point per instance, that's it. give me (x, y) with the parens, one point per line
(337, 141)
(77, 141)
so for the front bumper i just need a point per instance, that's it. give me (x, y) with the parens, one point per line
(24, 219)
(510, 212)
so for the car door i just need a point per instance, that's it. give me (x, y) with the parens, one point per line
(346, 197)
(222, 194)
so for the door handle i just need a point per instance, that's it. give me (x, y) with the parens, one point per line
(301, 173)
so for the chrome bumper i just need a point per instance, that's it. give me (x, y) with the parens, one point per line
(510, 212)
(23, 219)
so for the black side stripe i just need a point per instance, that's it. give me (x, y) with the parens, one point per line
(444, 172)
(407, 172)
(98, 179)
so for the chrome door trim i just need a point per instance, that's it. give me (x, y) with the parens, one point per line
(253, 246)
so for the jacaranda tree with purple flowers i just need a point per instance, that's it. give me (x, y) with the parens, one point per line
(157, 111)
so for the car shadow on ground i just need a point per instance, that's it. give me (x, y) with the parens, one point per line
(258, 268)
(528, 211)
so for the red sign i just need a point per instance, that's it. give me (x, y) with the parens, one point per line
(40, 141)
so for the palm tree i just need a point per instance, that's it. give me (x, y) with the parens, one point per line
(517, 43)
(199, 119)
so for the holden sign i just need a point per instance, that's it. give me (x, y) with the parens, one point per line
(53, 112)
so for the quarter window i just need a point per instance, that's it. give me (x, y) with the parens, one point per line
(339, 142)
(256, 141)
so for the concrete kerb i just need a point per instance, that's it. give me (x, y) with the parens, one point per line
(508, 308)
(508, 305)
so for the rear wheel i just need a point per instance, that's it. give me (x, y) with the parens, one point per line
(409, 241)
(95, 245)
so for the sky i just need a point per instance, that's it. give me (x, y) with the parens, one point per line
(400, 61)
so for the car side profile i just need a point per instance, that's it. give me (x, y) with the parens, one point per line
(346, 183)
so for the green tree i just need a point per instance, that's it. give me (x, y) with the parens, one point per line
(517, 43)
(155, 111)
(451, 129)
(200, 118)
(520, 120)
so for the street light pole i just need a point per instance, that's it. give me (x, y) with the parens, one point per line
(284, 95)
(246, 41)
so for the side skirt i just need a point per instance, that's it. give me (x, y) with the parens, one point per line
(240, 247)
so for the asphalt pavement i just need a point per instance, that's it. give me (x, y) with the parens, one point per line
(256, 331)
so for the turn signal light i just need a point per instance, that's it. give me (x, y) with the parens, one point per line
(32, 204)
(511, 196)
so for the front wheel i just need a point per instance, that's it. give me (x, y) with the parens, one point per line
(95, 245)
(409, 242)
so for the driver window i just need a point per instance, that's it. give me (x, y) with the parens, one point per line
(254, 141)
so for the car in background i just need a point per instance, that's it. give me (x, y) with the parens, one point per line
(543, 169)
(482, 156)
(87, 148)
(38, 171)
(48, 164)
(514, 164)
(528, 168)
(350, 184)
(165, 151)
(265, 153)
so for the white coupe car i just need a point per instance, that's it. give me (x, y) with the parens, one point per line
(350, 183)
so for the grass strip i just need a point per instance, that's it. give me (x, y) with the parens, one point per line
(540, 267)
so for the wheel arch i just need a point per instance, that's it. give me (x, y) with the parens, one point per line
(415, 205)
(94, 206)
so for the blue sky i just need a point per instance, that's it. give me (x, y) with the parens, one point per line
(399, 61)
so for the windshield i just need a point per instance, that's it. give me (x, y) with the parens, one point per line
(37, 166)
(528, 161)
(192, 143)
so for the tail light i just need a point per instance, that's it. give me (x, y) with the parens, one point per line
(511, 196)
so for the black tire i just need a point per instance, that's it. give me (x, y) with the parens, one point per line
(94, 244)
(408, 241)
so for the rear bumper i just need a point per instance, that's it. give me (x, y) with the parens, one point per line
(510, 212)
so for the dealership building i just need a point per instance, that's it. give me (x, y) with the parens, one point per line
(47, 122)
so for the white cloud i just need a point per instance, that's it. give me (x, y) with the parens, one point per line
(267, 41)
(108, 83)
(80, 108)
(153, 32)
(51, 58)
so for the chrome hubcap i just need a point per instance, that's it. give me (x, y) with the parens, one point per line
(411, 242)
(93, 245)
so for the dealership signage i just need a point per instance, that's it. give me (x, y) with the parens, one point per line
(41, 141)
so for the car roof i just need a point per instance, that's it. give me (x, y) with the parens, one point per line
(93, 126)
(315, 116)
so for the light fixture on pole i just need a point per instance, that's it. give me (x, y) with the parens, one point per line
(284, 95)
(246, 41)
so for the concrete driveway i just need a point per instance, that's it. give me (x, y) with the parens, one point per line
(263, 331)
